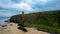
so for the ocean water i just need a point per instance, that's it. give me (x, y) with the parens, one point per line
(2, 19)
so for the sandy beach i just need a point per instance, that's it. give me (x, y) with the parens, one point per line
(11, 28)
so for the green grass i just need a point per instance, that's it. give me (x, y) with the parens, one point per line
(44, 25)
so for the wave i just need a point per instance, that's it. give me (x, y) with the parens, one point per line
(2, 19)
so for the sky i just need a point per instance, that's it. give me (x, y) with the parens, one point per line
(13, 7)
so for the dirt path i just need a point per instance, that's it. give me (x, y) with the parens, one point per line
(11, 28)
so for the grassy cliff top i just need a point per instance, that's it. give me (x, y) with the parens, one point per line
(47, 15)
(49, 20)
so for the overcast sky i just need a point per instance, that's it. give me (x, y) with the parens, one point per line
(12, 7)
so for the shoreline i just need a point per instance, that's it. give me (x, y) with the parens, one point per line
(13, 28)
(38, 29)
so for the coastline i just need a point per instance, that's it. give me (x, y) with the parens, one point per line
(12, 29)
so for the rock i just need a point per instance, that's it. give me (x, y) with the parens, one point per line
(20, 25)
(52, 32)
(6, 20)
(22, 28)
(4, 25)
(39, 29)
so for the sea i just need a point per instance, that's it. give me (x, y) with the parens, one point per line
(3, 19)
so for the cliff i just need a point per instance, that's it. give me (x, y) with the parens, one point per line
(49, 20)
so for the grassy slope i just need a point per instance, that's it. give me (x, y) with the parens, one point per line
(46, 20)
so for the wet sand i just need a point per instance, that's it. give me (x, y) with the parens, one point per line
(11, 28)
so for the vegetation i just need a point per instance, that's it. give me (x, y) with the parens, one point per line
(49, 20)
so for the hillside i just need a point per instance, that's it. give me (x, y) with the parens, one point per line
(49, 20)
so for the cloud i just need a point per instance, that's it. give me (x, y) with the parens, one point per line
(22, 6)
(11, 7)
(16, 1)
(28, 5)
(18, 5)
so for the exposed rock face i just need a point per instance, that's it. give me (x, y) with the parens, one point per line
(12, 29)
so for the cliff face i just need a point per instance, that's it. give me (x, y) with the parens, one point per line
(50, 16)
